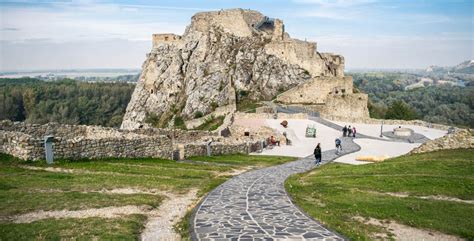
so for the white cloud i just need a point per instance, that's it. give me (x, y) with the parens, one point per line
(86, 21)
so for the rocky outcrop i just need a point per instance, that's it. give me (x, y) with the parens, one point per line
(461, 138)
(221, 55)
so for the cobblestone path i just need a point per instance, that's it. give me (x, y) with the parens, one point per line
(255, 206)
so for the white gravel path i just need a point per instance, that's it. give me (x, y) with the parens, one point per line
(371, 147)
(374, 129)
(302, 146)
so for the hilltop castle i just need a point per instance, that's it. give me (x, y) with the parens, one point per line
(225, 53)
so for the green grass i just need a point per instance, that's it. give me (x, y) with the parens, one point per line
(248, 105)
(245, 160)
(211, 123)
(24, 190)
(125, 228)
(335, 193)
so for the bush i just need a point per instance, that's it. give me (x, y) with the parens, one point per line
(179, 123)
(198, 114)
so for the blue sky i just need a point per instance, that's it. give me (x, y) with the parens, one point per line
(117, 34)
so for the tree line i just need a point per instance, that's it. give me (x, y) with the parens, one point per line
(444, 104)
(65, 101)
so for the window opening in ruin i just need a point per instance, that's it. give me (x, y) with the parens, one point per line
(166, 38)
(151, 91)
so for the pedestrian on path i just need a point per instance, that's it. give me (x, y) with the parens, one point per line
(338, 146)
(349, 131)
(353, 132)
(317, 154)
(344, 131)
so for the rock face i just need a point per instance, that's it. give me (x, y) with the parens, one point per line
(221, 55)
(461, 138)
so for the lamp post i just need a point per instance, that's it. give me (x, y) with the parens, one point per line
(381, 130)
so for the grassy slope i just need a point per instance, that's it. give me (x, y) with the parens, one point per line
(335, 193)
(23, 190)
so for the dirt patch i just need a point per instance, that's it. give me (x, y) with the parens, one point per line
(107, 212)
(431, 197)
(162, 220)
(160, 223)
(125, 190)
(234, 172)
(79, 171)
(404, 232)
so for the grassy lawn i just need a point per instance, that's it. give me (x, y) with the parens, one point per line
(335, 193)
(80, 185)
(211, 123)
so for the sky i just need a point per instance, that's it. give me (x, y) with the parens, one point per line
(70, 34)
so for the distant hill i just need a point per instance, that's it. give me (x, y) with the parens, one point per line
(466, 67)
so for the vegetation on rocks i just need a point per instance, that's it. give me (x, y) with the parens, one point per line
(420, 190)
(211, 123)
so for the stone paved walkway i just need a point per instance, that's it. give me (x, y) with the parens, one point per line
(255, 206)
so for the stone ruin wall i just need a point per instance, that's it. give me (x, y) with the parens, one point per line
(304, 54)
(353, 105)
(25, 141)
(317, 90)
(165, 38)
(236, 21)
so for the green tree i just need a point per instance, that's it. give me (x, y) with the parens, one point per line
(400, 110)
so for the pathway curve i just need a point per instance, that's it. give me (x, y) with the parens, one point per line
(255, 206)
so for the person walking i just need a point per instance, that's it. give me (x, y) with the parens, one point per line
(338, 146)
(354, 132)
(349, 131)
(317, 154)
(344, 131)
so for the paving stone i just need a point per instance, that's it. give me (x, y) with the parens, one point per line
(255, 204)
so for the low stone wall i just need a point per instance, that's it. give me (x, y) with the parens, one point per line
(461, 138)
(179, 136)
(25, 141)
(219, 148)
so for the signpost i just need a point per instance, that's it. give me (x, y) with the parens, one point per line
(48, 148)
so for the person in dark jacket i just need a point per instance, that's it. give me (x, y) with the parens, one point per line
(317, 154)
(344, 131)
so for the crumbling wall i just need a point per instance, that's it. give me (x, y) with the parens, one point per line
(236, 21)
(353, 105)
(165, 38)
(100, 142)
(25, 141)
(316, 90)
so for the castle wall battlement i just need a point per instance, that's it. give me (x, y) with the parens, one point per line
(165, 38)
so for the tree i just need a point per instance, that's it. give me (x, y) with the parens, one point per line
(400, 110)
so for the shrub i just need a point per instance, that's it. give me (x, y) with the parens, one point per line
(198, 114)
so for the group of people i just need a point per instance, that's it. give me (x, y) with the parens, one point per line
(346, 132)
(349, 132)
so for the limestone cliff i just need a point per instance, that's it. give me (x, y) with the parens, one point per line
(220, 54)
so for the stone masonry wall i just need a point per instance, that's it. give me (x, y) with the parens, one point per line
(218, 148)
(461, 138)
(316, 90)
(353, 105)
(25, 141)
